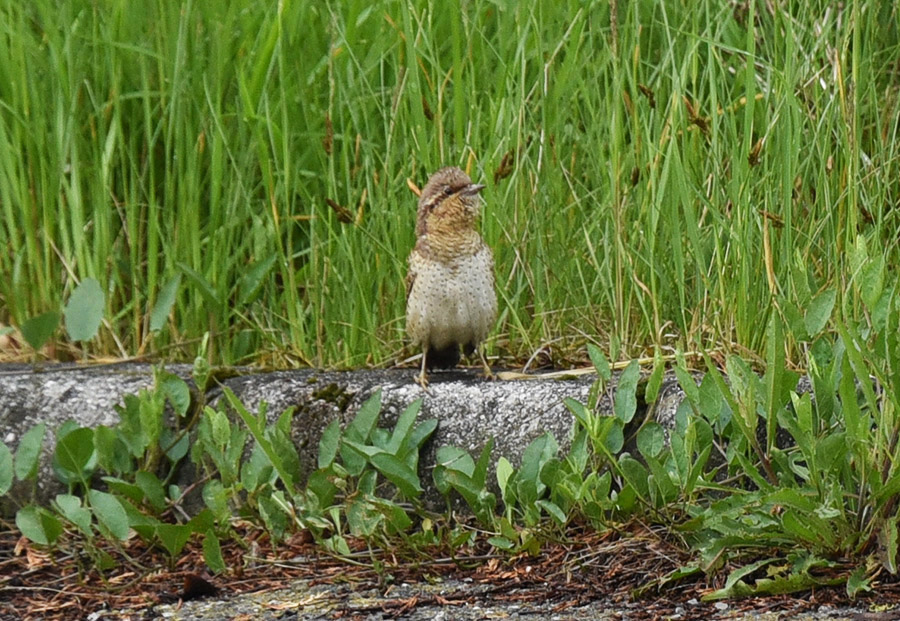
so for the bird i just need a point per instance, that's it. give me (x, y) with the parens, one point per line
(450, 298)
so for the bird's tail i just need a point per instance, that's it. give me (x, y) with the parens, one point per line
(445, 358)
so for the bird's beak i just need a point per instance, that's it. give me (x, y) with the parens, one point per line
(472, 189)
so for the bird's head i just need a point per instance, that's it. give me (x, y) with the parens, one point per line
(449, 201)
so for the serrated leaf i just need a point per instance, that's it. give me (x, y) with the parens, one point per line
(37, 330)
(164, 303)
(84, 312)
(858, 582)
(626, 392)
(28, 453)
(887, 544)
(110, 513)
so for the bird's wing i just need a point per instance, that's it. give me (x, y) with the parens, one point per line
(410, 279)
(411, 274)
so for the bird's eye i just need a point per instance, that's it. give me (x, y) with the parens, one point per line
(448, 190)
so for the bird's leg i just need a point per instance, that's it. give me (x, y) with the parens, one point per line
(421, 379)
(487, 370)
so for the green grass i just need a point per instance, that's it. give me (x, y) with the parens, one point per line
(144, 142)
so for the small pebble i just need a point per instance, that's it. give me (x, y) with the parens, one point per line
(721, 606)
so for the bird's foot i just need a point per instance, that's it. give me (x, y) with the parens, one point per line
(422, 380)
(488, 374)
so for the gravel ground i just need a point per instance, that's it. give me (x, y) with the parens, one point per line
(454, 600)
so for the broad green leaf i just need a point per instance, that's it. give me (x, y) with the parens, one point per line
(819, 312)
(887, 541)
(504, 471)
(275, 519)
(112, 453)
(28, 453)
(164, 303)
(536, 454)
(501, 543)
(152, 488)
(337, 544)
(360, 428)
(215, 497)
(598, 359)
(6, 469)
(212, 552)
(397, 473)
(635, 474)
(871, 281)
(152, 412)
(251, 282)
(177, 391)
(479, 472)
(281, 463)
(404, 426)
(206, 290)
(70, 507)
(651, 392)
(858, 582)
(174, 536)
(73, 453)
(84, 312)
(612, 434)
(416, 439)
(363, 517)
(125, 488)
(651, 439)
(110, 513)
(39, 525)
(626, 392)
(328, 445)
(553, 510)
(174, 443)
(37, 330)
(688, 384)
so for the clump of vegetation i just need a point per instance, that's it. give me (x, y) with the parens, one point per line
(786, 489)
(655, 178)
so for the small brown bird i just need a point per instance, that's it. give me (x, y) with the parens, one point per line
(450, 299)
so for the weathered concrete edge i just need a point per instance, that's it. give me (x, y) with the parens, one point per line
(469, 409)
